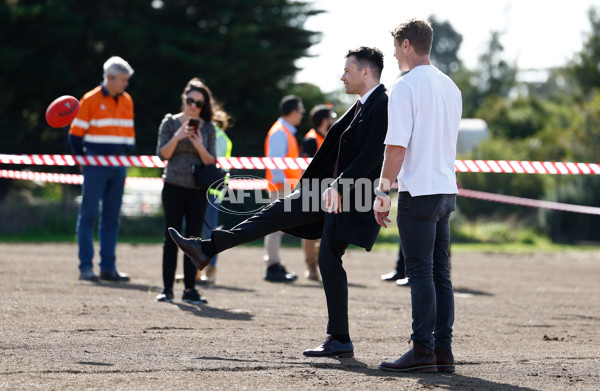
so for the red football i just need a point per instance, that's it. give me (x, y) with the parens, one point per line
(62, 111)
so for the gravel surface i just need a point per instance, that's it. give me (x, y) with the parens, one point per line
(523, 322)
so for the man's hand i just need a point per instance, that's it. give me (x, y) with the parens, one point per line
(333, 200)
(381, 208)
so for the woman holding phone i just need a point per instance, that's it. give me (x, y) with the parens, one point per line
(185, 139)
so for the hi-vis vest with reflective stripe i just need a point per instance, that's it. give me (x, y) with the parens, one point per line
(292, 176)
(102, 120)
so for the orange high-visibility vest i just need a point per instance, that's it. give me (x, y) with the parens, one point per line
(102, 120)
(292, 175)
(316, 135)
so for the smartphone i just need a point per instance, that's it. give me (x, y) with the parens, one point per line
(194, 123)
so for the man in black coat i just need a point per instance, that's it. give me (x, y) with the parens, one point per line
(349, 161)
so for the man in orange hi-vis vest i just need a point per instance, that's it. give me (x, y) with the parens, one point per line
(104, 126)
(322, 117)
(281, 142)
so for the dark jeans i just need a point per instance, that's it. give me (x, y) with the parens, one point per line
(274, 218)
(101, 186)
(424, 227)
(181, 203)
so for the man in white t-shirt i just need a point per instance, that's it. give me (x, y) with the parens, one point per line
(424, 111)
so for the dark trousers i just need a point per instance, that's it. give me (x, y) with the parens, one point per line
(181, 203)
(400, 265)
(275, 218)
(270, 219)
(424, 226)
(335, 281)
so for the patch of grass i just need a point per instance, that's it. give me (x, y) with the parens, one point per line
(519, 248)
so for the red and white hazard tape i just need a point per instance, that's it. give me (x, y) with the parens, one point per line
(260, 163)
(529, 202)
(139, 182)
(525, 167)
(75, 160)
(261, 184)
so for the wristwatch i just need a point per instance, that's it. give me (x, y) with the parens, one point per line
(382, 194)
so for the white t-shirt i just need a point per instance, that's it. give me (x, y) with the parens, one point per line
(424, 111)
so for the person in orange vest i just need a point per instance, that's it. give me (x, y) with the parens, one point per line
(281, 142)
(322, 117)
(104, 126)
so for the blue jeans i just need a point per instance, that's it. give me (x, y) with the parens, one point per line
(100, 185)
(424, 227)
(211, 221)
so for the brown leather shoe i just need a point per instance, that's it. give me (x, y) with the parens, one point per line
(419, 359)
(192, 247)
(444, 360)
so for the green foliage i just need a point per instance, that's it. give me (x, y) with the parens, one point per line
(519, 185)
(585, 68)
(244, 50)
(565, 227)
(445, 45)
(494, 77)
(516, 119)
(497, 232)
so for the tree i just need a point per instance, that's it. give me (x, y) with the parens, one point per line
(445, 46)
(244, 50)
(585, 67)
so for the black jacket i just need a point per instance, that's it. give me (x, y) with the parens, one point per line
(361, 148)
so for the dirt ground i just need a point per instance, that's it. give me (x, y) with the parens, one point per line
(523, 322)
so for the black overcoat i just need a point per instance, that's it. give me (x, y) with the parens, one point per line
(361, 146)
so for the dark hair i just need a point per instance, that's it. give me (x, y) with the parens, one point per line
(368, 57)
(198, 85)
(418, 32)
(222, 119)
(320, 113)
(289, 103)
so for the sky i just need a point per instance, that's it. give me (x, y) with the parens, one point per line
(537, 33)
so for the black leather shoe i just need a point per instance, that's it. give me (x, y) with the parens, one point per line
(278, 273)
(332, 348)
(392, 276)
(114, 276)
(192, 247)
(419, 359)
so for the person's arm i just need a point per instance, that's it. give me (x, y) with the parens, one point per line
(167, 141)
(79, 127)
(400, 127)
(206, 152)
(392, 163)
(278, 148)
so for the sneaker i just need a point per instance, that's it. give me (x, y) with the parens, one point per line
(166, 295)
(88, 275)
(193, 297)
(278, 273)
(403, 282)
(392, 276)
